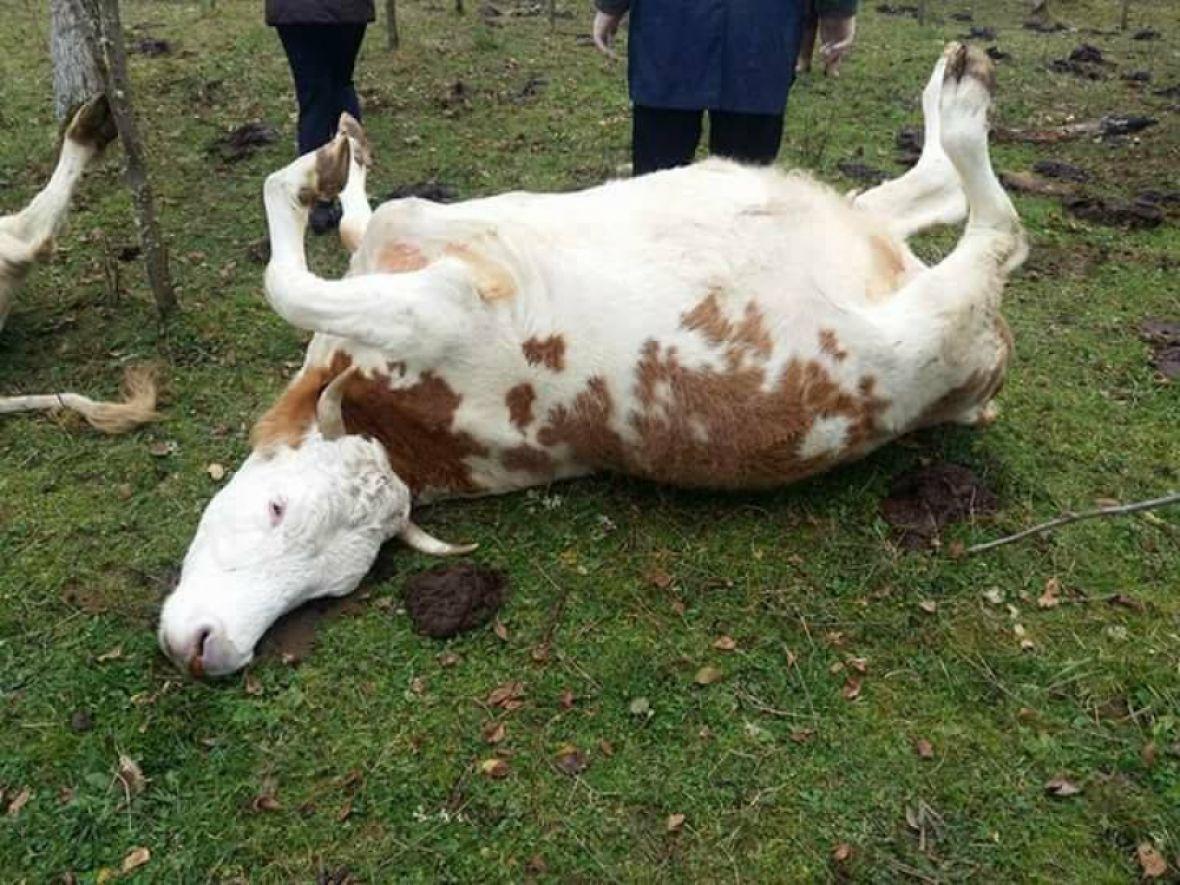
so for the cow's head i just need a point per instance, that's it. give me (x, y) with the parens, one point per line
(295, 523)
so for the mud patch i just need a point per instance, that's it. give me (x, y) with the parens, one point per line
(1164, 338)
(995, 53)
(150, 47)
(909, 143)
(1031, 183)
(292, 637)
(454, 599)
(1115, 213)
(1061, 171)
(980, 33)
(922, 501)
(431, 189)
(242, 141)
(892, 9)
(861, 172)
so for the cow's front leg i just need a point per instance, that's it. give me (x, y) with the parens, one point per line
(354, 198)
(417, 315)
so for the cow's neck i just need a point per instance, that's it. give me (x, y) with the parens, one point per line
(413, 421)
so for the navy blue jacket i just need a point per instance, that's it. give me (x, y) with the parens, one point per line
(723, 55)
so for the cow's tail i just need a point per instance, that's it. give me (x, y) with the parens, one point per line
(137, 407)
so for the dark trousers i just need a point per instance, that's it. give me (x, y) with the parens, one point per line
(662, 138)
(322, 58)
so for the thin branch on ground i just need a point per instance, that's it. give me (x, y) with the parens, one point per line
(1067, 518)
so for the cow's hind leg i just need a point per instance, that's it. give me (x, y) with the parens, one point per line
(930, 193)
(948, 315)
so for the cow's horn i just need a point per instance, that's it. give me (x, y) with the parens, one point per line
(329, 414)
(424, 542)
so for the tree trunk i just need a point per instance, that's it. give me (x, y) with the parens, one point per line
(1125, 21)
(552, 14)
(76, 77)
(105, 31)
(392, 38)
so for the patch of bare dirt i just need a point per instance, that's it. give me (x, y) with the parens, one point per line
(922, 501)
(242, 141)
(454, 599)
(1164, 338)
(861, 172)
(292, 637)
(1136, 215)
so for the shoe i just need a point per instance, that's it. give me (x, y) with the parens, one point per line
(325, 217)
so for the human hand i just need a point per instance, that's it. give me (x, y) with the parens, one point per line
(606, 25)
(838, 35)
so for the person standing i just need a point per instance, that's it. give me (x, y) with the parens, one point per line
(732, 58)
(321, 39)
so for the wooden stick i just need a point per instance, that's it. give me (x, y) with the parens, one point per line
(1067, 518)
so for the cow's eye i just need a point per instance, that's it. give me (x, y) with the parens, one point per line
(276, 508)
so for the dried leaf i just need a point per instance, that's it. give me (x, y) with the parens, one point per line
(216, 472)
(135, 859)
(659, 579)
(496, 769)
(994, 595)
(571, 760)
(500, 630)
(130, 776)
(1151, 861)
(265, 802)
(851, 690)
(448, 659)
(345, 812)
(802, 735)
(639, 707)
(1061, 787)
(114, 654)
(1050, 599)
(162, 449)
(540, 653)
(418, 685)
(493, 732)
(860, 665)
(674, 823)
(21, 800)
(606, 747)
(707, 675)
(842, 852)
(1148, 754)
(566, 702)
(252, 685)
(503, 695)
(924, 748)
(724, 643)
(928, 605)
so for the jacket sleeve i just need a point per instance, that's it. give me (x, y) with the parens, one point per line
(614, 7)
(835, 8)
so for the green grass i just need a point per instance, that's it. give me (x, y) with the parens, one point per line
(378, 773)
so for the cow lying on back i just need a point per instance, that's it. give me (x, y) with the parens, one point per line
(715, 326)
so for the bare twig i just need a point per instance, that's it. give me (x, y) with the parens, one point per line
(1067, 518)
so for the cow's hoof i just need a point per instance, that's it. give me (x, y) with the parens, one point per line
(351, 129)
(963, 61)
(93, 124)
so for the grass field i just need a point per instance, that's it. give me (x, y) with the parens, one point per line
(364, 760)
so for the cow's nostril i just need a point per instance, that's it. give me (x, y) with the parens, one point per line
(202, 639)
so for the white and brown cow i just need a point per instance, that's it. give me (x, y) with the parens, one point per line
(715, 326)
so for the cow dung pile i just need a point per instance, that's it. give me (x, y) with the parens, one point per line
(454, 599)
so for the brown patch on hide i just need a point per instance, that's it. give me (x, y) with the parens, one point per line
(520, 405)
(585, 427)
(887, 268)
(550, 352)
(492, 280)
(412, 422)
(291, 416)
(980, 387)
(971, 61)
(730, 428)
(748, 337)
(830, 345)
(399, 258)
(527, 459)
